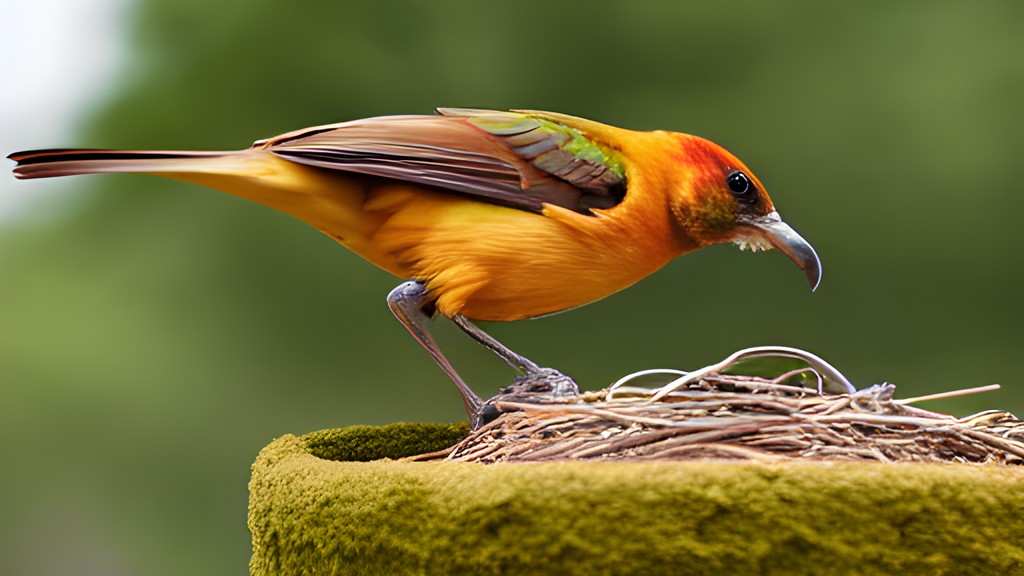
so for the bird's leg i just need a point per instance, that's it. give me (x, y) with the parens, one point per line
(555, 382)
(517, 362)
(406, 303)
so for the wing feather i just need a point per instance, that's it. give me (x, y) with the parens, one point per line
(507, 158)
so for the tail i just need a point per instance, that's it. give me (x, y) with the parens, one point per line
(69, 162)
(327, 199)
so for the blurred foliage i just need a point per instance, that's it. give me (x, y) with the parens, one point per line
(154, 340)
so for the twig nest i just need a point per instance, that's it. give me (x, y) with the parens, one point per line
(734, 417)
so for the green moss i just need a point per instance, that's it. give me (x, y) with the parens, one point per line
(314, 516)
(365, 443)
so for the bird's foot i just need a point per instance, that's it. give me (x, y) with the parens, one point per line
(535, 386)
(545, 381)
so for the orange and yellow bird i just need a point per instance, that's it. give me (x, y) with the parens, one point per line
(487, 215)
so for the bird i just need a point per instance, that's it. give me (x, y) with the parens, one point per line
(485, 215)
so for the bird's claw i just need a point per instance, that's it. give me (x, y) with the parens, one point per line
(535, 386)
(546, 381)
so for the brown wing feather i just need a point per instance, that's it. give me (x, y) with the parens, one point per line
(446, 152)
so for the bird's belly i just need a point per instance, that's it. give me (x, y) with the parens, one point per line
(493, 263)
(529, 294)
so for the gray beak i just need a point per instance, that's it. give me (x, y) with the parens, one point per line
(781, 236)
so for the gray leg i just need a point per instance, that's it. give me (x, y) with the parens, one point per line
(514, 360)
(534, 378)
(406, 303)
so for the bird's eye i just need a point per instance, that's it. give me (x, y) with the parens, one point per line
(741, 187)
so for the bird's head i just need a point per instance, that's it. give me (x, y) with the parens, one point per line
(722, 201)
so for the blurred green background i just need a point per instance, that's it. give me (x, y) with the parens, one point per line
(155, 335)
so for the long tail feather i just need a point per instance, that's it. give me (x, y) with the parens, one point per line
(69, 162)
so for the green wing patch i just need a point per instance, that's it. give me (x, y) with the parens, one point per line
(559, 150)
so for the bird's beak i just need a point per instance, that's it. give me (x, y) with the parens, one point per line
(781, 236)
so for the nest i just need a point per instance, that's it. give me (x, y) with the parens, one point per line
(714, 415)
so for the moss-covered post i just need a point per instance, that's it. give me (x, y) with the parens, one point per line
(336, 502)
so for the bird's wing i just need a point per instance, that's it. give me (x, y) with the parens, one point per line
(507, 158)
